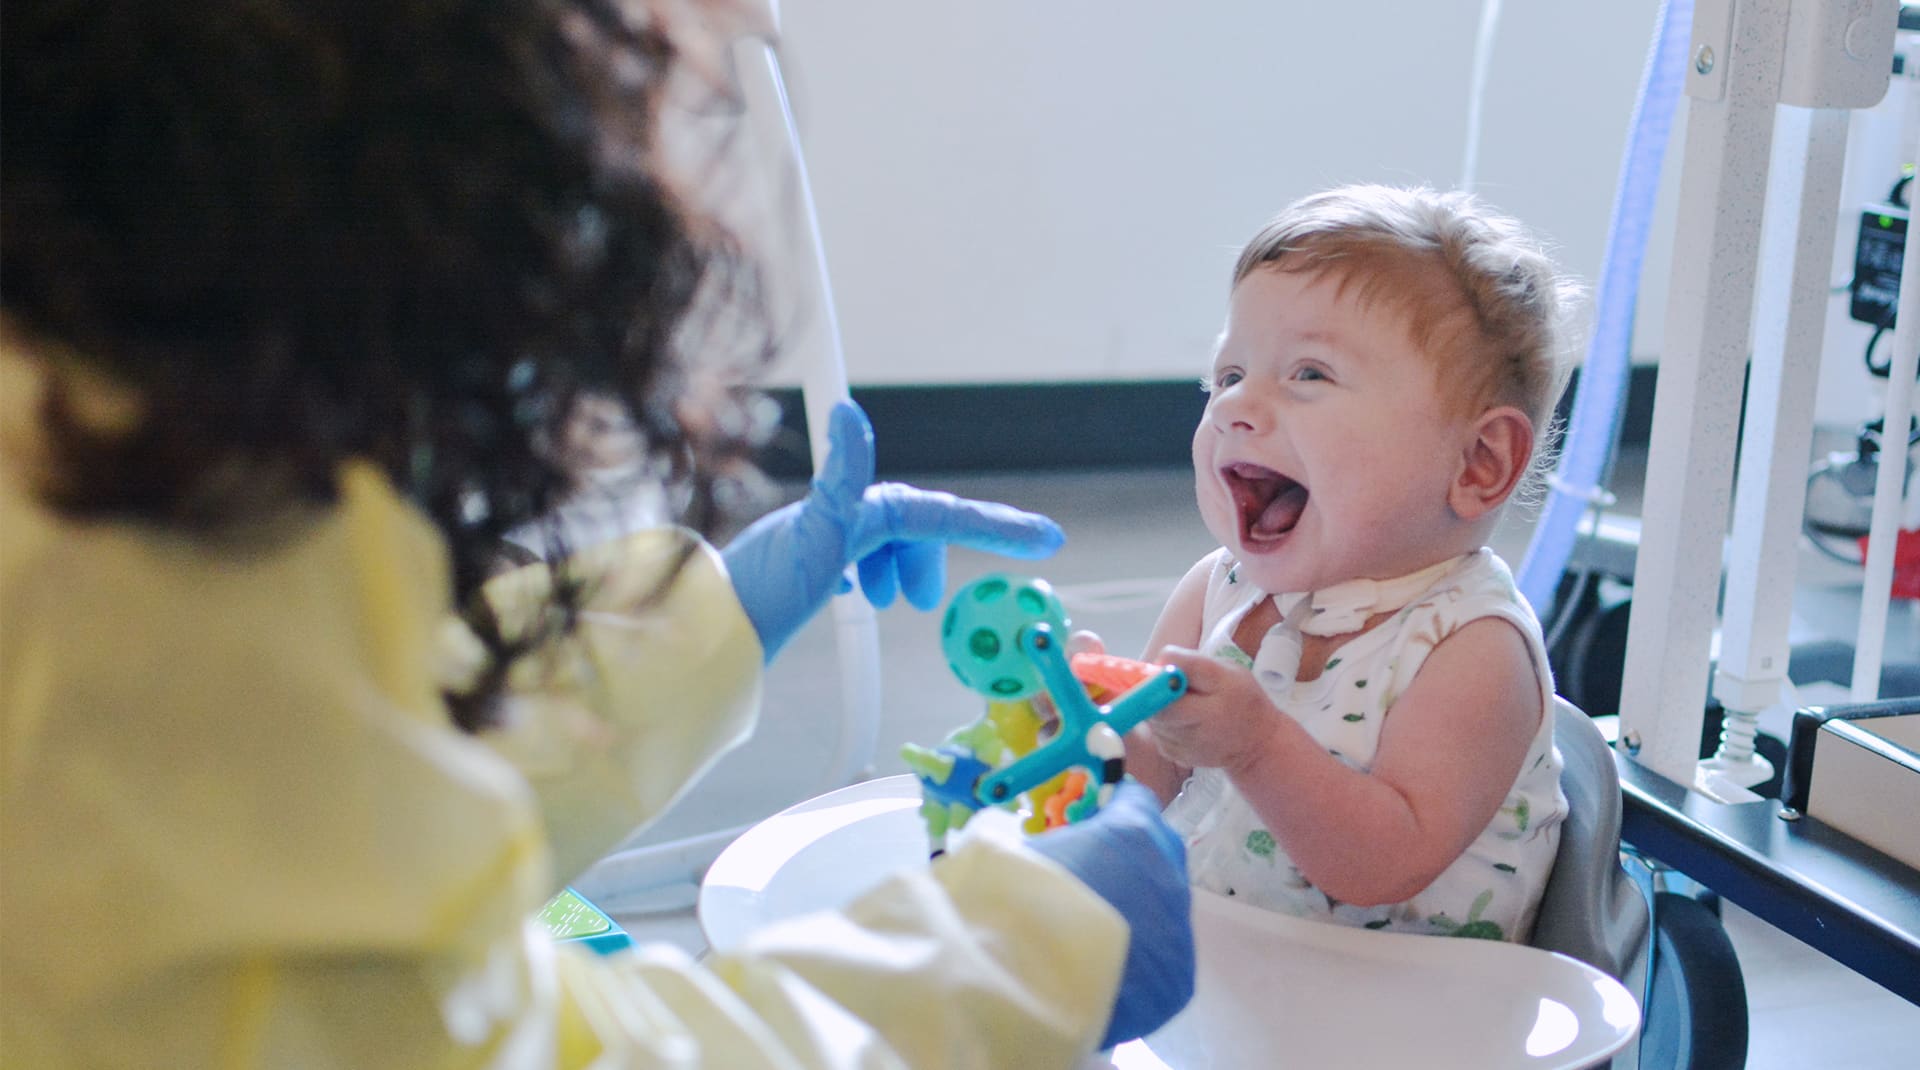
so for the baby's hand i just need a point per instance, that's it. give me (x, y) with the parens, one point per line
(1224, 720)
(1083, 641)
(1078, 642)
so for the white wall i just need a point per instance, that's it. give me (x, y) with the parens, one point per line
(1019, 190)
(1016, 190)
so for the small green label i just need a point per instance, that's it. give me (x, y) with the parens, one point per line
(569, 917)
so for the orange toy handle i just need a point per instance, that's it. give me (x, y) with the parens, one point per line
(1069, 793)
(1110, 676)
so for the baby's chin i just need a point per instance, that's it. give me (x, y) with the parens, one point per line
(1273, 570)
(1262, 566)
(1272, 577)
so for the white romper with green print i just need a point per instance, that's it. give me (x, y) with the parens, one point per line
(1491, 891)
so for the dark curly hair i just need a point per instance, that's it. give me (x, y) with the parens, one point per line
(405, 230)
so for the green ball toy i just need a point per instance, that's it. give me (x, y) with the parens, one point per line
(981, 633)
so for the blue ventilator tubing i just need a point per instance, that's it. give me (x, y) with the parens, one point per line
(1603, 378)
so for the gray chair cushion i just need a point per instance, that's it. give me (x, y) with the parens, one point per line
(1592, 909)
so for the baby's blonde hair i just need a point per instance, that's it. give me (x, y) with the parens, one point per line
(1480, 295)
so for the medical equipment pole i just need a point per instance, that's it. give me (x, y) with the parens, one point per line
(1747, 55)
(1733, 84)
(823, 385)
(1803, 208)
(1883, 529)
(663, 876)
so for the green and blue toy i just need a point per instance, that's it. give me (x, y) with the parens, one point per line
(1005, 637)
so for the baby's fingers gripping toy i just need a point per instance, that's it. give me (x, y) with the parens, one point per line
(1005, 637)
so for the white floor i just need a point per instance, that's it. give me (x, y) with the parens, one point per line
(1131, 534)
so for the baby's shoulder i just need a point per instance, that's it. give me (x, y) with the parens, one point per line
(1478, 587)
(1479, 582)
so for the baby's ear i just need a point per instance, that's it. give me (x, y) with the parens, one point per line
(1498, 449)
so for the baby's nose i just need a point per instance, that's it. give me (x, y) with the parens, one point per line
(1236, 411)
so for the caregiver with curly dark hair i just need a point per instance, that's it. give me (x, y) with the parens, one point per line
(297, 294)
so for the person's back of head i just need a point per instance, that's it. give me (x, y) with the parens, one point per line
(286, 234)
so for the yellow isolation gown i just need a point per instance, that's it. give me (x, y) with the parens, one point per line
(237, 828)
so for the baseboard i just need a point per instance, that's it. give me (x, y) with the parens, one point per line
(1009, 426)
(981, 427)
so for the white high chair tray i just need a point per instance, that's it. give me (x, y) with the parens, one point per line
(1272, 990)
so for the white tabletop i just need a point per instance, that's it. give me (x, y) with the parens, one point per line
(1271, 989)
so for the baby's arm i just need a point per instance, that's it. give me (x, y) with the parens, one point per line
(1448, 754)
(1178, 626)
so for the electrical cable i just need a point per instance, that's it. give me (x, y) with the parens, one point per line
(1477, 93)
(1565, 610)
(1885, 326)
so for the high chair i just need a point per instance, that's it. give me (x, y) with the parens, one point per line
(1602, 906)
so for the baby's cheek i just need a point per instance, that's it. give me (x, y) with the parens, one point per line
(1216, 513)
(1203, 442)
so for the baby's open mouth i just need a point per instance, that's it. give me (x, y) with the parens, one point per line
(1270, 504)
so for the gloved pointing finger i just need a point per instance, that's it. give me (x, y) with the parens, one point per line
(897, 512)
(787, 564)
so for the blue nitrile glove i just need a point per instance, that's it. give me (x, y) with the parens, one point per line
(788, 563)
(1129, 855)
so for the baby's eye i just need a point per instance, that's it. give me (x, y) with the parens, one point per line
(1223, 380)
(1308, 373)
